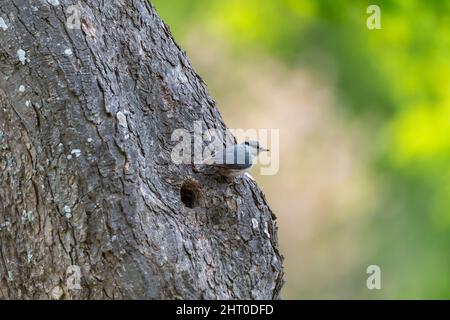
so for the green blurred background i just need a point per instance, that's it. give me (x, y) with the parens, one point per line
(364, 119)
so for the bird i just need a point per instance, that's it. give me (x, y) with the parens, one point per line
(237, 159)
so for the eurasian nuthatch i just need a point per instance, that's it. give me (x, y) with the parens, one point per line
(237, 159)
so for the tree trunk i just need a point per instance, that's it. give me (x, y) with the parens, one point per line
(91, 205)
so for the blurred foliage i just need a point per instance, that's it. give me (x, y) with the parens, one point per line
(396, 80)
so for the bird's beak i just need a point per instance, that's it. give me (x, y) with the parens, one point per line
(264, 149)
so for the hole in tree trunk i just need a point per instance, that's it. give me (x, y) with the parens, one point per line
(190, 193)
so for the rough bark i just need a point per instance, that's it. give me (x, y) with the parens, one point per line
(86, 174)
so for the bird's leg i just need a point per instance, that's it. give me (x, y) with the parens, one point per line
(229, 181)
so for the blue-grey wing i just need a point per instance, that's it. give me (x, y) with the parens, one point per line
(237, 157)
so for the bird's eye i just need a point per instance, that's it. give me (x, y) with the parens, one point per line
(247, 143)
